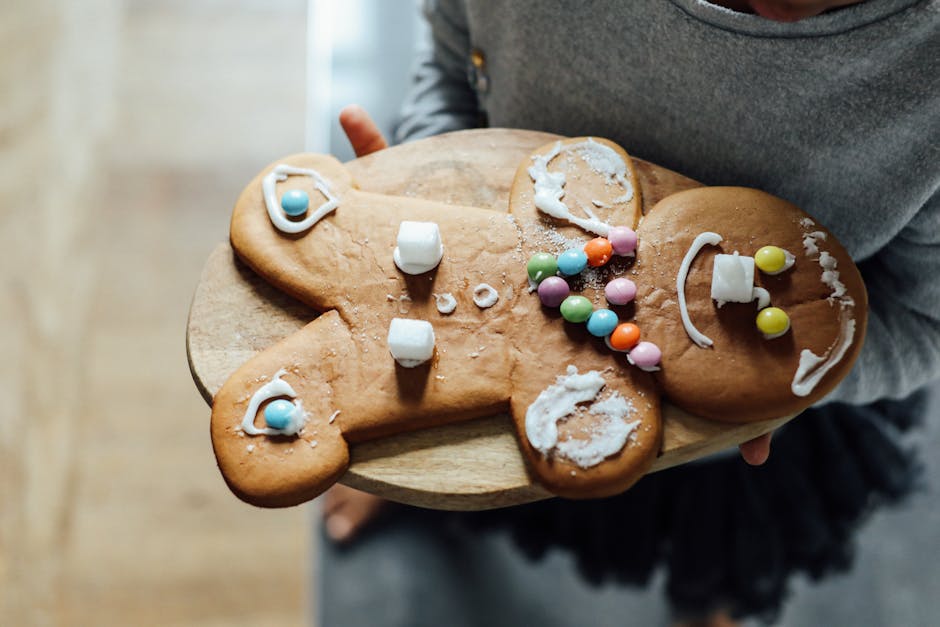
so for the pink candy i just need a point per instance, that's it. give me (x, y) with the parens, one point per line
(620, 291)
(645, 355)
(623, 239)
(553, 290)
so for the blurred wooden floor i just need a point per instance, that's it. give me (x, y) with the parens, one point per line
(126, 131)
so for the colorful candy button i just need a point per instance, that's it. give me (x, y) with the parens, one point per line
(541, 266)
(553, 290)
(571, 262)
(773, 322)
(622, 239)
(770, 259)
(602, 323)
(278, 413)
(294, 202)
(598, 251)
(645, 355)
(620, 291)
(576, 309)
(625, 336)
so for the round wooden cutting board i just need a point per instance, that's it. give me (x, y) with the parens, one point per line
(465, 466)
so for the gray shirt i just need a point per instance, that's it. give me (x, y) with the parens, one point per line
(839, 114)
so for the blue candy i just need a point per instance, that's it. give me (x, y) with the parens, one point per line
(602, 323)
(571, 262)
(295, 202)
(278, 413)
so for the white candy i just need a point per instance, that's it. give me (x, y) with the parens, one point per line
(419, 247)
(411, 342)
(733, 279)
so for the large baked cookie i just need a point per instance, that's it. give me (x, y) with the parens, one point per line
(737, 374)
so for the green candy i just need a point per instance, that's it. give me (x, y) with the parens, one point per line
(576, 309)
(541, 266)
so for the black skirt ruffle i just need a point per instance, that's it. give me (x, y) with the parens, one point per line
(731, 535)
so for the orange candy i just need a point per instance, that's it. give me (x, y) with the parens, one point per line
(625, 336)
(598, 251)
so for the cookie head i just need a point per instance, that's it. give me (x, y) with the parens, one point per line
(758, 310)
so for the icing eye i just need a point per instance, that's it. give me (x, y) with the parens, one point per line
(773, 259)
(576, 309)
(773, 322)
(598, 251)
(602, 323)
(541, 266)
(294, 202)
(571, 262)
(279, 413)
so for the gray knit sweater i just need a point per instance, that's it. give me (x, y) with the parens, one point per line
(839, 114)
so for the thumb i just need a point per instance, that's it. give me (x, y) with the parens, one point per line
(362, 132)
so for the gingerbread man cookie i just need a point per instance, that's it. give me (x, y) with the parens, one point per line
(569, 313)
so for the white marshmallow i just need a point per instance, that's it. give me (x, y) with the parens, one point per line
(419, 247)
(733, 279)
(411, 342)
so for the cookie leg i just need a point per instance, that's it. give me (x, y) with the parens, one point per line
(586, 432)
(280, 458)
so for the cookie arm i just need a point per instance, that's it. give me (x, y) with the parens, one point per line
(902, 345)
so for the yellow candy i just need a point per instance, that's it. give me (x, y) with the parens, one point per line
(770, 259)
(773, 321)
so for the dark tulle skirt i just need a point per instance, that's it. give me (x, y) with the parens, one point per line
(730, 535)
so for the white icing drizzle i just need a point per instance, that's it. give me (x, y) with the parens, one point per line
(485, 295)
(549, 186)
(762, 296)
(276, 212)
(700, 241)
(272, 389)
(446, 303)
(813, 367)
(560, 400)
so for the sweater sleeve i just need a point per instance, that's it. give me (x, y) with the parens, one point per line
(440, 98)
(902, 345)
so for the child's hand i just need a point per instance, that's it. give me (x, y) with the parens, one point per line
(361, 131)
(756, 451)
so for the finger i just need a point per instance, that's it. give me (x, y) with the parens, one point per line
(755, 452)
(361, 131)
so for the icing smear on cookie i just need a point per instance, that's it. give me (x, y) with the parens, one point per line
(278, 215)
(813, 367)
(562, 399)
(274, 388)
(549, 186)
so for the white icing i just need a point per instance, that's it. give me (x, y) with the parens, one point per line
(272, 389)
(762, 296)
(485, 295)
(446, 303)
(700, 242)
(608, 436)
(813, 367)
(733, 279)
(549, 186)
(278, 217)
(419, 248)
